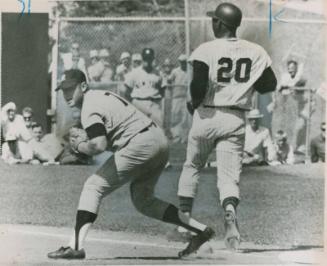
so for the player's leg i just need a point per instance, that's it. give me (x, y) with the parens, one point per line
(199, 147)
(229, 167)
(96, 187)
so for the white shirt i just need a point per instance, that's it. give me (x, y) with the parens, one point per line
(234, 66)
(257, 141)
(144, 85)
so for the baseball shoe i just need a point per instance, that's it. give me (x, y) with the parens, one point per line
(67, 253)
(232, 236)
(196, 242)
(177, 236)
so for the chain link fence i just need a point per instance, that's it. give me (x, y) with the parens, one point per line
(300, 37)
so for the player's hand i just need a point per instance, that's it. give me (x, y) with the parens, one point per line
(76, 137)
(190, 107)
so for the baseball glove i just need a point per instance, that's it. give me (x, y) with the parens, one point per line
(76, 137)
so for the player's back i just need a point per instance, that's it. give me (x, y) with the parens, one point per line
(234, 66)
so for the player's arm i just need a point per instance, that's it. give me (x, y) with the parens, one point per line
(267, 81)
(97, 140)
(199, 83)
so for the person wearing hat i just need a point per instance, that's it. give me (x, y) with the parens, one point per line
(124, 67)
(258, 146)
(144, 87)
(318, 144)
(14, 123)
(136, 60)
(140, 155)
(179, 115)
(95, 69)
(107, 73)
(226, 72)
(284, 151)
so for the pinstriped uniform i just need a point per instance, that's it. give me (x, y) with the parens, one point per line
(219, 122)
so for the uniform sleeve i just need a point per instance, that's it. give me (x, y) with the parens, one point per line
(92, 118)
(200, 54)
(129, 80)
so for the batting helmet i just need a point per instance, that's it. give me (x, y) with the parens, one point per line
(228, 14)
(148, 54)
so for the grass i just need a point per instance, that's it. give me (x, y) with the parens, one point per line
(282, 206)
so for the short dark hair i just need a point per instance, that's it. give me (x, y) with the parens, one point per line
(35, 125)
(28, 109)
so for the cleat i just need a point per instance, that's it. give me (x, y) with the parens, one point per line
(67, 253)
(177, 236)
(232, 236)
(196, 242)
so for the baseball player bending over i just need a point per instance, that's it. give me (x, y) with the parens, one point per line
(140, 154)
(226, 71)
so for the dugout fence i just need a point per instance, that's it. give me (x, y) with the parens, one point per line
(300, 36)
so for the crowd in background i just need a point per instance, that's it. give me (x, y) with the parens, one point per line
(25, 141)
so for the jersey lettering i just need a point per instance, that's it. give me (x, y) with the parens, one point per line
(242, 70)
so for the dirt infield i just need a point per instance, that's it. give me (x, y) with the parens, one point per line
(28, 245)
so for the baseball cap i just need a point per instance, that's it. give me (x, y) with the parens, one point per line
(93, 53)
(182, 57)
(147, 53)
(71, 78)
(136, 57)
(125, 55)
(104, 53)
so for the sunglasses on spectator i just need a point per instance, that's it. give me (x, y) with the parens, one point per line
(27, 118)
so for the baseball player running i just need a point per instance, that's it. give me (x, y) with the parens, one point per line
(226, 71)
(140, 154)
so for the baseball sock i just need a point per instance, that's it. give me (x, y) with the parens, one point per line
(174, 216)
(185, 205)
(84, 220)
(230, 204)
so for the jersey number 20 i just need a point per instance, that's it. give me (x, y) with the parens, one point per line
(242, 69)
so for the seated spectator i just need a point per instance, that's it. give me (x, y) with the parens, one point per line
(107, 73)
(69, 156)
(14, 123)
(317, 146)
(39, 147)
(258, 147)
(15, 151)
(96, 68)
(284, 151)
(28, 118)
(124, 67)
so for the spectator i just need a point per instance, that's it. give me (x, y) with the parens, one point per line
(317, 147)
(14, 123)
(136, 60)
(15, 151)
(258, 147)
(28, 118)
(39, 147)
(293, 102)
(107, 71)
(284, 151)
(95, 69)
(73, 59)
(166, 77)
(124, 67)
(180, 116)
(69, 156)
